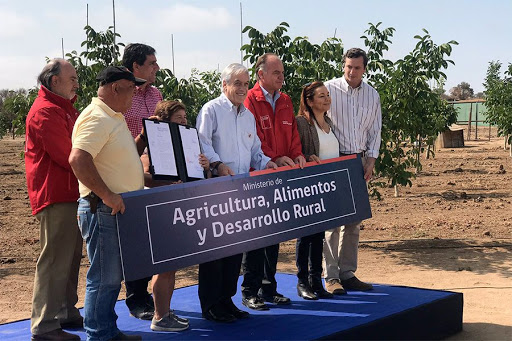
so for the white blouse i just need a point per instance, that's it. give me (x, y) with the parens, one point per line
(329, 146)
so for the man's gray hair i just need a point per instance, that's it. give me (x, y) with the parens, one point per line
(51, 69)
(261, 63)
(230, 70)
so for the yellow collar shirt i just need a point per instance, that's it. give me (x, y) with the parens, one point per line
(103, 133)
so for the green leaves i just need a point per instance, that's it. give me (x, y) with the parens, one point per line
(498, 95)
(14, 110)
(303, 61)
(102, 49)
(411, 110)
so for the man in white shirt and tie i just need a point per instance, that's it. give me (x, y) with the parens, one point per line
(357, 120)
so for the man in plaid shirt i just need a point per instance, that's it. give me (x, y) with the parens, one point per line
(140, 59)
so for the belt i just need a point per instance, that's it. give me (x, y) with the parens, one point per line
(93, 200)
(361, 154)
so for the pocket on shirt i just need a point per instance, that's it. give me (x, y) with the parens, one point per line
(248, 139)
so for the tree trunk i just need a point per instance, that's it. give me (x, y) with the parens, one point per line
(396, 191)
(418, 155)
(428, 151)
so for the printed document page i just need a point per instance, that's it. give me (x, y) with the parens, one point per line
(161, 148)
(191, 151)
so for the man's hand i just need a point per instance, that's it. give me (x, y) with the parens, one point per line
(85, 171)
(368, 168)
(300, 160)
(223, 170)
(315, 158)
(152, 118)
(203, 161)
(284, 161)
(115, 202)
(272, 165)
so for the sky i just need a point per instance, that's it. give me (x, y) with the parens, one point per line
(206, 33)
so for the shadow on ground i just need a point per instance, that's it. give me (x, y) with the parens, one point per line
(483, 331)
(465, 255)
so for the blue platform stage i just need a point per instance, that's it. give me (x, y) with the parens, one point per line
(387, 312)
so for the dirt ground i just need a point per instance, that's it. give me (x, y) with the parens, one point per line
(452, 230)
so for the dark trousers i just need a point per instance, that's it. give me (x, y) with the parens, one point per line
(259, 269)
(137, 292)
(309, 251)
(218, 281)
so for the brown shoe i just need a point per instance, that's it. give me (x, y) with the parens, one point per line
(57, 334)
(334, 287)
(356, 285)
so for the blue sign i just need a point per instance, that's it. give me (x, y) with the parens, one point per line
(171, 227)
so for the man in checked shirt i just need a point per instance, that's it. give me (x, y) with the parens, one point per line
(356, 116)
(140, 59)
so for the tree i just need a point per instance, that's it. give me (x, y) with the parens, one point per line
(498, 95)
(100, 52)
(14, 111)
(439, 90)
(303, 61)
(462, 91)
(193, 92)
(411, 110)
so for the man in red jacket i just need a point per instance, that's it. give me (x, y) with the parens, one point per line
(277, 130)
(53, 192)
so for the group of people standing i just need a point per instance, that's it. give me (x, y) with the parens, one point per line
(78, 164)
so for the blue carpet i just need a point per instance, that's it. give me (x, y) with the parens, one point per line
(302, 320)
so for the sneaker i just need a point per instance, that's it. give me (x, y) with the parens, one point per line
(334, 287)
(355, 284)
(168, 323)
(180, 319)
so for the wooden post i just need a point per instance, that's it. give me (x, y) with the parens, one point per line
(476, 121)
(469, 120)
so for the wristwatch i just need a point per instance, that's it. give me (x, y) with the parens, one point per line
(214, 167)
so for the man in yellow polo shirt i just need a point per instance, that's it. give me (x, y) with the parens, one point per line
(105, 160)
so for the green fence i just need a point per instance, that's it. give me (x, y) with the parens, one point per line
(477, 110)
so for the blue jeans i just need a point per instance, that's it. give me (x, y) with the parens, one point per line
(104, 276)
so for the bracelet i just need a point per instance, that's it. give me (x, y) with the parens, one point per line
(143, 138)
